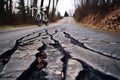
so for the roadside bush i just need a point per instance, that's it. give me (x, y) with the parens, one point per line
(55, 18)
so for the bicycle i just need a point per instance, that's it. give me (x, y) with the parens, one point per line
(41, 16)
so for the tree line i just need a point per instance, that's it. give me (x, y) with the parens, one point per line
(24, 13)
(99, 8)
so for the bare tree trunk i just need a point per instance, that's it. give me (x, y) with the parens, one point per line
(28, 10)
(23, 10)
(48, 8)
(42, 1)
(10, 6)
(56, 6)
(31, 5)
(9, 14)
(56, 3)
(35, 5)
(49, 5)
(2, 12)
(6, 3)
(53, 9)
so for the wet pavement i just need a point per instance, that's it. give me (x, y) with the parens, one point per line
(73, 53)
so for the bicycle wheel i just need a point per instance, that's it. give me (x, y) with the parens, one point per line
(38, 20)
(45, 20)
(46, 23)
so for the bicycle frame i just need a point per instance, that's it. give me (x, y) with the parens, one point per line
(40, 17)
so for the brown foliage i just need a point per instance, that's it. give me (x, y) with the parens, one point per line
(95, 7)
(94, 11)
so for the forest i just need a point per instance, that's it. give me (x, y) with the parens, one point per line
(8, 16)
(104, 14)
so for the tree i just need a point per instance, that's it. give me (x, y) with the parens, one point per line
(10, 7)
(35, 5)
(28, 9)
(5, 11)
(22, 10)
(59, 15)
(49, 5)
(9, 11)
(42, 1)
(54, 8)
(2, 11)
(56, 3)
(21, 7)
(48, 8)
(66, 14)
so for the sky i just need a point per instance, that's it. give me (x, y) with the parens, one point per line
(65, 5)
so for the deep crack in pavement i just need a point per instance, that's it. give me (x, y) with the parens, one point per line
(37, 70)
(80, 44)
(36, 67)
(5, 57)
(88, 73)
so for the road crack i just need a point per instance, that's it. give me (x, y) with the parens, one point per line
(35, 71)
(88, 72)
(5, 57)
(80, 44)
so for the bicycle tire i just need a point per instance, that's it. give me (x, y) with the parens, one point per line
(38, 20)
(45, 23)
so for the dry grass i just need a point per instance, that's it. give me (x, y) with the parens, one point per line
(96, 27)
(11, 27)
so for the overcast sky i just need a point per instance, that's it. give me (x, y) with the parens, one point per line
(65, 5)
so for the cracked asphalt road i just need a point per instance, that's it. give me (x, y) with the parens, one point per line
(72, 50)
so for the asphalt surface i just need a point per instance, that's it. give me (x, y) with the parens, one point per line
(73, 52)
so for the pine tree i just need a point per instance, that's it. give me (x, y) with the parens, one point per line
(66, 14)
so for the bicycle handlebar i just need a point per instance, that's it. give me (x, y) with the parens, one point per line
(37, 8)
